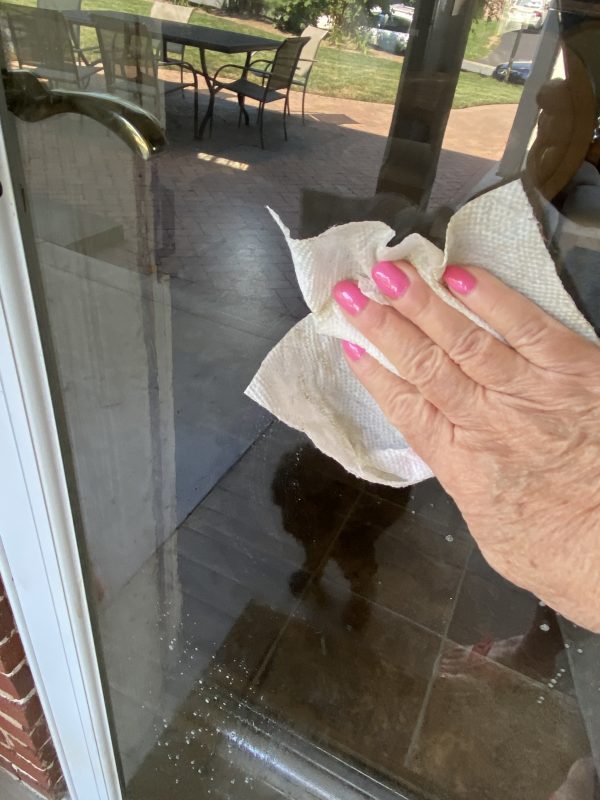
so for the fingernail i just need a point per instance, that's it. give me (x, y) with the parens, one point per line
(353, 351)
(350, 297)
(392, 281)
(459, 279)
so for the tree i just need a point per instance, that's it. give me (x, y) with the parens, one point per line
(349, 19)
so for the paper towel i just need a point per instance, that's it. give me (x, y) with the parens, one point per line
(305, 380)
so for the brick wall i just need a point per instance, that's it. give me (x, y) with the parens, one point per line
(26, 750)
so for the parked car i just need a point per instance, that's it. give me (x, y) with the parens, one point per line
(530, 14)
(391, 41)
(519, 72)
(401, 11)
(390, 32)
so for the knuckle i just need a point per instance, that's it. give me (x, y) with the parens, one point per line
(474, 345)
(529, 333)
(426, 363)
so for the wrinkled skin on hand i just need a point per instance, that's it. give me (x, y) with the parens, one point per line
(511, 429)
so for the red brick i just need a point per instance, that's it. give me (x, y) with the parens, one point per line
(52, 792)
(7, 765)
(25, 713)
(20, 762)
(40, 758)
(7, 622)
(25, 747)
(19, 683)
(23, 733)
(11, 652)
(33, 737)
(47, 779)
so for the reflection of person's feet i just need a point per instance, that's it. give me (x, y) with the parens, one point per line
(463, 660)
(579, 784)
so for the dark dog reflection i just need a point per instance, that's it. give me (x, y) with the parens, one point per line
(314, 494)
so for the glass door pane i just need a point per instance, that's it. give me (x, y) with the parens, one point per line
(269, 625)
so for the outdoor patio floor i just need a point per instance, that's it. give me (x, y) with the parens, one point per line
(293, 601)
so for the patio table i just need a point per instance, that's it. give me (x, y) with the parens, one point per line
(200, 36)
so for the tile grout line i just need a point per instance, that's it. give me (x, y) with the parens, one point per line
(443, 639)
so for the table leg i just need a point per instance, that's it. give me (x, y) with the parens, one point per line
(241, 100)
(211, 91)
(241, 96)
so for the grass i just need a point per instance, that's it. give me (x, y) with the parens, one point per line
(339, 73)
(477, 90)
(484, 35)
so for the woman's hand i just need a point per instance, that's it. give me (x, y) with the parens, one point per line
(512, 430)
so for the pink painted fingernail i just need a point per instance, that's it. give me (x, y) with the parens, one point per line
(392, 281)
(350, 297)
(459, 279)
(353, 351)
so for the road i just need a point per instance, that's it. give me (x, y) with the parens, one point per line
(525, 51)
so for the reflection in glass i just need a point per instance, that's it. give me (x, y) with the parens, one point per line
(268, 624)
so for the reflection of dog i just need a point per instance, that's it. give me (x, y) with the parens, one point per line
(314, 493)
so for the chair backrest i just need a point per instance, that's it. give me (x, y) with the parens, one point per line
(171, 12)
(64, 5)
(127, 50)
(310, 49)
(285, 63)
(130, 62)
(60, 5)
(42, 40)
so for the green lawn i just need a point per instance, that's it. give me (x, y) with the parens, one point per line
(338, 73)
(483, 37)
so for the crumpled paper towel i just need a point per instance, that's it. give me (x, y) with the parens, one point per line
(305, 380)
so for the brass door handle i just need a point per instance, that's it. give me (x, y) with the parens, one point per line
(32, 101)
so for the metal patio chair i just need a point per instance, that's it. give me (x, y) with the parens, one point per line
(173, 52)
(275, 85)
(307, 60)
(42, 43)
(87, 55)
(131, 65)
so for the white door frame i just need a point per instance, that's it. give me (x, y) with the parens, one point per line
(39, 559)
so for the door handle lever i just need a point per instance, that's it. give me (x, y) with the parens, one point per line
(32, 101)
